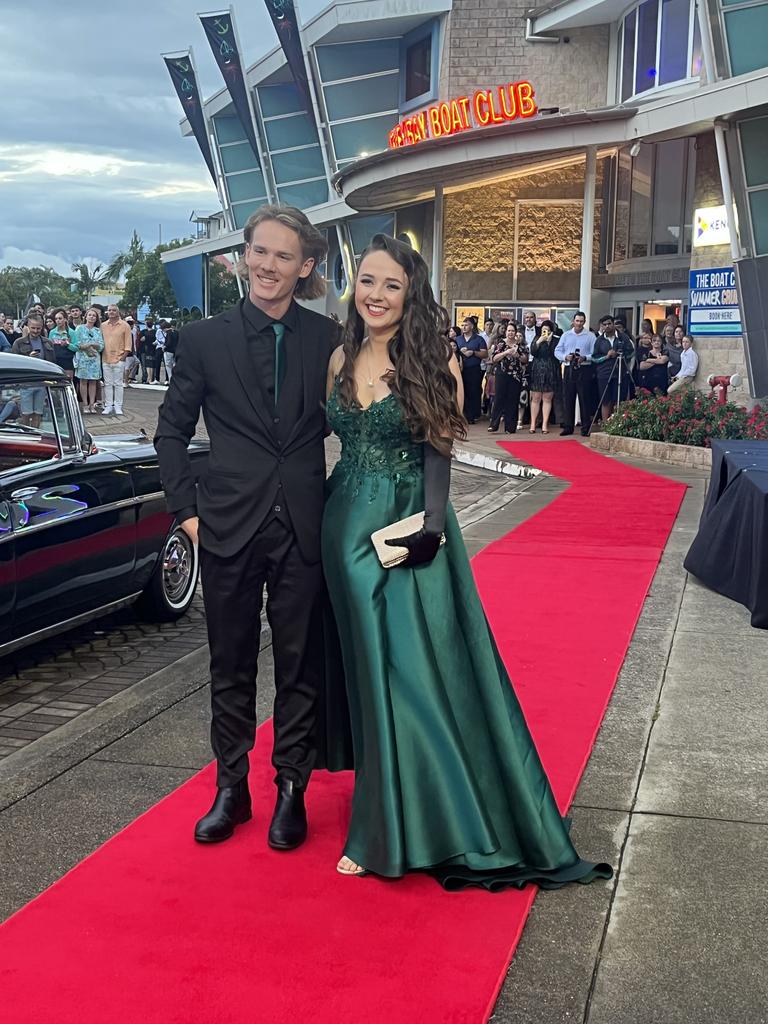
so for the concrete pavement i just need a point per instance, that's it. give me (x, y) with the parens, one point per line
(674, 795)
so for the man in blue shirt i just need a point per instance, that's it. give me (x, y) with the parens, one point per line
(473, 349)
(574, 350)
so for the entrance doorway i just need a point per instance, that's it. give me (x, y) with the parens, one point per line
(655, 310)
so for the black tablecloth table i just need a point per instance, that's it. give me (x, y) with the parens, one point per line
(730, 551)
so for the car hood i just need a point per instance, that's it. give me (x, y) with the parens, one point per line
(122, 444)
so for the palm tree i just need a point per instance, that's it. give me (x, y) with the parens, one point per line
(89, 278)
(122, 262)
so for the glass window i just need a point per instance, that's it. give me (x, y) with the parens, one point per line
(673, 56)
(309, 193)
(667, 197)
(229, 128)
(364, 136)
(249, 185)
(362, 229)
(289, 132)
(242, 211)
(623, 193)
(758, 206)
(647, 23)
(690, 188)
(238, 158)
(368, 96)
(58, 407)
(418, 68)
(628, 56)
(348, 60)
(280, 99)
(755, 148)
(640, 204)
(696, 52)
(747, 31)
(297, 165)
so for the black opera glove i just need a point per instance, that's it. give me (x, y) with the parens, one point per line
(422, 547)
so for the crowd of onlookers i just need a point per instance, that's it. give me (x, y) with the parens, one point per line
(535, 372)
(96, 347)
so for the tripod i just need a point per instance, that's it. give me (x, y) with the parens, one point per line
(616, 369)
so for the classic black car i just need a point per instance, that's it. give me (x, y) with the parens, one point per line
(83, 523)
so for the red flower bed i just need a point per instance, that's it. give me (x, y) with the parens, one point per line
(687, 417)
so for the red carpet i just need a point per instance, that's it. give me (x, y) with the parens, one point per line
(153, 929)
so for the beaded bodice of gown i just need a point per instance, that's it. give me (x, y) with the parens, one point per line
(375, 442)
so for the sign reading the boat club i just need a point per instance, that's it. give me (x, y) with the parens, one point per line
(714, 302)
(486, 107)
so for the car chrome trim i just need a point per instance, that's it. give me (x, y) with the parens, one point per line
(112, 506)
(61, 627)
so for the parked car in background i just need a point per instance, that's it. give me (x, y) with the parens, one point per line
(83, 525)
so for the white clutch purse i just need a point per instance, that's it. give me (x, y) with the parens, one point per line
(391, 556)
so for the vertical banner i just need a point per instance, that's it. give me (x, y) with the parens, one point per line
(283, 15)
(184, 82)
(220, 30)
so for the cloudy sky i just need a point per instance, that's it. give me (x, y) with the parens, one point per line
(90, 124)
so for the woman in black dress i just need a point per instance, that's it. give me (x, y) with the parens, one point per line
(509, 360)
(653, 364)
(543, 377)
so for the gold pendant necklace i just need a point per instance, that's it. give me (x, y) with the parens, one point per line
(368, 361)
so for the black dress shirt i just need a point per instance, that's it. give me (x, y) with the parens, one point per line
(261, 342)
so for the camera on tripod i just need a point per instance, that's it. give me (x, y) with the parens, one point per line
(618, 345)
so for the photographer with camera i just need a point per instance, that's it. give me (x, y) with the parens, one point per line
(612, 356)
(574, 351)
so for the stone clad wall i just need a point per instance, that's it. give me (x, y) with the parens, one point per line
(479, 238)
(716, 355)
(485, 46)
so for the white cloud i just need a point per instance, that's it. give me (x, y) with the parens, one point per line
(10, 256)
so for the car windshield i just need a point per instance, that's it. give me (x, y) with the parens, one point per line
(27, 430)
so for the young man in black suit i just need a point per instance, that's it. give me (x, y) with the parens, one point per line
(258, 373)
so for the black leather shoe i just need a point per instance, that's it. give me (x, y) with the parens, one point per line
(289, 822)
(231, 807)
(585, 433)
(566, 432)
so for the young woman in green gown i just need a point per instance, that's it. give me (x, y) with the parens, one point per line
(447, 778)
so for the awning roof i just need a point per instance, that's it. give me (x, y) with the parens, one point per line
(403, 176)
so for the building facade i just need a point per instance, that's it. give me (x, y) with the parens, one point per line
(589, 154)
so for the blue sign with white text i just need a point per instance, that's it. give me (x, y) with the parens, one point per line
(713, 305)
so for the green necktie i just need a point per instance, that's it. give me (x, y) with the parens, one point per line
(279, 330)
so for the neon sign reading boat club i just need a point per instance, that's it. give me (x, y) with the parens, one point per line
(486, 107)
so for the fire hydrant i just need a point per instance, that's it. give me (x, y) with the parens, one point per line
(722, 383)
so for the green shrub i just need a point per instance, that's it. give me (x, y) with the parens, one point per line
(687, 417)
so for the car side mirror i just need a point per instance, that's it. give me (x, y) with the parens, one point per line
(87, 444)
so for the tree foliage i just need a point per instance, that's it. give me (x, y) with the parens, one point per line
(17, 284)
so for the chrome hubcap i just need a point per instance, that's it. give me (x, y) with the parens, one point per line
(177, 568)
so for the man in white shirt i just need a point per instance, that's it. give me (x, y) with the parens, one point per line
(530, 330)
(689, 365)
(574, 350)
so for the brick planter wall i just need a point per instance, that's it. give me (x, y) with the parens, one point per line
(662, 451)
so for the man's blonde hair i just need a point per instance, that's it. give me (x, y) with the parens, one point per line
(313, 245)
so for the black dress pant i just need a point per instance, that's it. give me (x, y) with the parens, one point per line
(506, 402)
(473, 388)
(233, 590)
(579, 382)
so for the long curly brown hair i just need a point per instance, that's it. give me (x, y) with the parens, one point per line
(419, 352)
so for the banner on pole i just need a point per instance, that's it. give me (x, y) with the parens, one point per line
(220, 31)
(283, 15)
(185, 83)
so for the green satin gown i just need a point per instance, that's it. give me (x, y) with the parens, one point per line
(447, 778)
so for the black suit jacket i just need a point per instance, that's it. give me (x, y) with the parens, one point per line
(255, 456)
